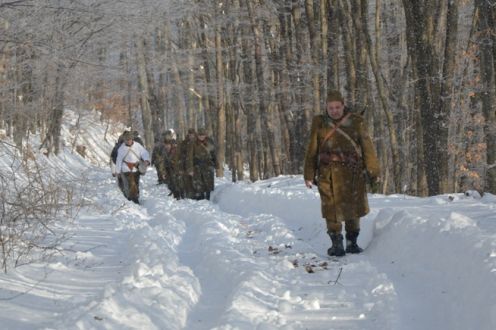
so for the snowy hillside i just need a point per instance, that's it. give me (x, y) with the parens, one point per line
(254, 258)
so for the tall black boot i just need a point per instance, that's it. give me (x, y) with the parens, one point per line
(337, 248)
(351, 242)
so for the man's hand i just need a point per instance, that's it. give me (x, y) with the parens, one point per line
(375, 184)
(309, 183)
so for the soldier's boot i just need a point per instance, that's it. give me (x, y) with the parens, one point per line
(351, 242)
(337, 248)
(207, 195)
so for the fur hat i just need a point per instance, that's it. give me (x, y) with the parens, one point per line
(167, 137)
(191, 131)
(334, 95)
(127, 135)
(202, 131)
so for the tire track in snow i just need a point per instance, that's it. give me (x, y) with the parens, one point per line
(368, 297)
(203, 249)
(141, 294)
(247, 273)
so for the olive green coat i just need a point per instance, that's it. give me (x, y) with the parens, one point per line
(342, 184)
(158, 160)
(201, 161)
(185, 182)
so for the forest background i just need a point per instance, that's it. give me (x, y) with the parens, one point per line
(254, 72)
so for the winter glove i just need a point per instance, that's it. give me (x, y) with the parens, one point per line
(375, 184)
(316, 180)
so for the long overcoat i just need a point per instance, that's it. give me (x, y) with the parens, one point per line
(184, 180)
(342, 180)
(201, 161)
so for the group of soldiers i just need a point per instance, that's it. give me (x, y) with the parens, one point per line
(340, 158)
(187, 167)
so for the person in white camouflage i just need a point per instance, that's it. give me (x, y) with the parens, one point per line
(129, 155)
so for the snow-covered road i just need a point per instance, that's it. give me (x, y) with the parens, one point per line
(254, 258)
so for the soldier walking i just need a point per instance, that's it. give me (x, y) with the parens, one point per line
(339, 155)
(129, 154)
(184, 180)
(171, 176)
(201, 165)
(158, 160)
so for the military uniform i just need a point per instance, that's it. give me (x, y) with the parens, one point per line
(126, 166)
(341, 181)
(201, 162)
(340, 164)
(158, 161)
(184, 180)
(172, 178)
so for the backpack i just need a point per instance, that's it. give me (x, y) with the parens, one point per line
(113, 154)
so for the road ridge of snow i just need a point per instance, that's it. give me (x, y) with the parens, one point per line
(267, 285)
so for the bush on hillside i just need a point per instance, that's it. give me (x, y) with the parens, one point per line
(32, 203)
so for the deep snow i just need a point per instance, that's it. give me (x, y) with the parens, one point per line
(253, 258)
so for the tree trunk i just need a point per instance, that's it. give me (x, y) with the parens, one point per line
(315, 46)
(447, 81)
(145, 97)
(264, 110)
(221, 111)
(488, 96)
(421, 45)
(297, 76)
(207, 101)
(178, 90)
(349, 51)
(374, 57)
(324, 47)
(52, 140)
(333, 81)
(284, 96)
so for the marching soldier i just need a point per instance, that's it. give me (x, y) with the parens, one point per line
(185, 181)
(339, 155)
(129, 154)
(158, 160)
(201, 165)
(171, 176)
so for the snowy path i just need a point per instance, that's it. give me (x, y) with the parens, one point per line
(433, 252)
(256, 271)
(93, 257)
(254, 258)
